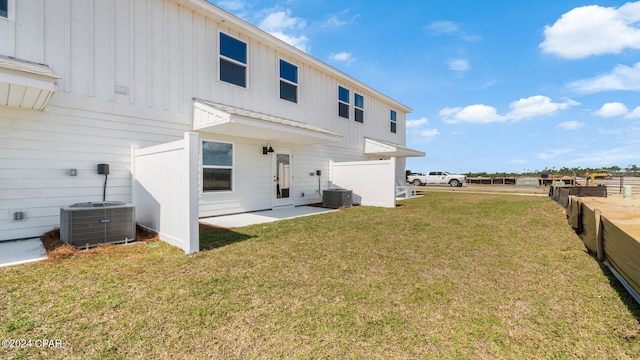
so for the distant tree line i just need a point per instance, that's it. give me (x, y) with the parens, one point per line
(631, 170)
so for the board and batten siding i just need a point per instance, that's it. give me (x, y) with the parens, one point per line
(129, 71)
(38, 149)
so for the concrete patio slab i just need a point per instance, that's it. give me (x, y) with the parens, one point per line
(21, 251)
(260, 217)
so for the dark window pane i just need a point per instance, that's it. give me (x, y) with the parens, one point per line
(343, 94)
(217, 154)
(358, 101)
(393, 115)
(359, 115)
(216, 179)
(288, 92)
(288, 71)
(233, 73)
(3, 8)
(343, 110)
(233, 48)
(393, 127)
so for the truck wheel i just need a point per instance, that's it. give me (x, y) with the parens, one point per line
(455, 183)
(416, 182)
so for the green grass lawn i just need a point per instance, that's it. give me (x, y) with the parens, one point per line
(445, 276)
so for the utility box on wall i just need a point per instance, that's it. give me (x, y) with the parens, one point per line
(337, 198)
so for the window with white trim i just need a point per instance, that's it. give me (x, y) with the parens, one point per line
(288, 81)
(343, 102)
(4, 8)
(217, 166)
(394, 122)
(233, 60)
(358, 106)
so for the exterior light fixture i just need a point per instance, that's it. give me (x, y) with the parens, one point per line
(267, 149)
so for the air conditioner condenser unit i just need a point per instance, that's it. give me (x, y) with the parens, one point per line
(89, 224)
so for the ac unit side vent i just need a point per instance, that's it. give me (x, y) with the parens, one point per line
(89, 224)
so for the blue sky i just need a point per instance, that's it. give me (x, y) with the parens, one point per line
(495, 86)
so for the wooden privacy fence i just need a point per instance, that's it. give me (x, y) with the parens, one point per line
(614, 247)
(614, 185)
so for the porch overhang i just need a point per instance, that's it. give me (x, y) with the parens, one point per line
(383, 148)
(24, 84)
(216, 118)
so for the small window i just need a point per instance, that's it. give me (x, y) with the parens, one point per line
(288, 81)
(394, 123)
(233, 60)
(4, 10)
(343, 102)
(217, 166)
(358, 102)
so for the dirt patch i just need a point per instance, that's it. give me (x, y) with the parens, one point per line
(625, 213)
(57, 250)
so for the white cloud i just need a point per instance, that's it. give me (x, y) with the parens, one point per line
(281, 20)
(553, 153)
(429, 134)
(593, 30)
(449, 28)
(526, 108)
(570, 125)
(417, 133)
(634, 114)
(333, 22)
(417, 123)
(622, 77)
(478, 114)
(612, 109)
(443, 27)
(534, 106)
(337, 20)
(607, 156)
(343, 56)
(285, 27)
(459, 65)
(301, 42)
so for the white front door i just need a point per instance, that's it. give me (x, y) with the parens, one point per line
(282, 178)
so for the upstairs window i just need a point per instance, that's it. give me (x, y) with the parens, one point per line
(392, 115)
(233, 60)
(343, 102)
(288, 81)
(358, 105)
(4, 9)
(217, 166)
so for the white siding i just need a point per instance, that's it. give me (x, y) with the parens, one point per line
(251, 180)
(159, 55)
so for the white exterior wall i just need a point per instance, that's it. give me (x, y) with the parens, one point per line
(129, 70)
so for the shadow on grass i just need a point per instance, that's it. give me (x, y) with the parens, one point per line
(212, 237)
(625, 296)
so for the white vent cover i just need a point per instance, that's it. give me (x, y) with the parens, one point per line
(91, 224)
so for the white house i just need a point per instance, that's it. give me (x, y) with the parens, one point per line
(87, 82)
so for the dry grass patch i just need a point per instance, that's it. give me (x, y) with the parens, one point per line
(448, 275)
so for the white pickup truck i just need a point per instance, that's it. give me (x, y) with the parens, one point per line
(437, 177)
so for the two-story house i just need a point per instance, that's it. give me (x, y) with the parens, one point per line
(87, 82)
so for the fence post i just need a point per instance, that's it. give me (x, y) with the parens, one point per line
(599, 242)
